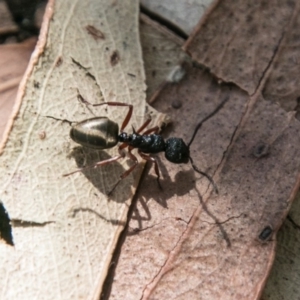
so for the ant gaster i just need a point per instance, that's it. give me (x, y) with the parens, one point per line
(102, 133)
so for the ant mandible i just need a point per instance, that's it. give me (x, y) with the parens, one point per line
(102, 133)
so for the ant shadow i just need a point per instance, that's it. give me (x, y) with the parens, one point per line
(183, 182)
(149, 189)
(85, 157)
(216, 221)
(101, 177)
(115, 222)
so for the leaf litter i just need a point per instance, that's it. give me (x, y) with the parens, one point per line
(186, 242)
(72, 251)
(204, 225)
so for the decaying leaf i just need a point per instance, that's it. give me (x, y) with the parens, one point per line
(207, 246)
(238, 40)
(184, 242)
(257, 48)
(162, 54)
(13, 62)
(6, 23)
(65, 228)
(183, 14)
(187, 243)
(282, 84)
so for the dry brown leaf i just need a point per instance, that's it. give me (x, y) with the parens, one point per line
(186, 243)
(6, 22)
(13, 62)
(65, 229)
(206, 246)
(282, 80)
(277, 70)
(161, 53)
(238, 40)
(189, 225)
(183, 14)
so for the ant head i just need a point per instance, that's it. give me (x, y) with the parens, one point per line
(177, 151)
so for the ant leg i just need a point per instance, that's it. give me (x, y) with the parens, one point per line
(96, 165)
(126, 173)
(128, 116)
(103, 162)
(206, 175)
(144, 125)
(80, 98)
(150, 130)
(123, 146)
(153, 160)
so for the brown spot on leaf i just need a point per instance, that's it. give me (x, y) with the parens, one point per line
(252, 193)
(114, 59)
(59, 61)
(36, 84)
(95, 33)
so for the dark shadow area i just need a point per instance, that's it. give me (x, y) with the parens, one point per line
(188, 103)
(23, 14)
(173, 187)
(5, 226)
(86, 158)
(184, 182)
(86, 209)
(107, 285)
(24, 223)
(164, 22)
(217, 221)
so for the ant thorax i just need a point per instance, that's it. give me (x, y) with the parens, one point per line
(152, 143)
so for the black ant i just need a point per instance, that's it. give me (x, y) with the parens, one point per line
(103, 133)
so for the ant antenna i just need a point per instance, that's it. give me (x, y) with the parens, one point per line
(193, 137)
(206, 118)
